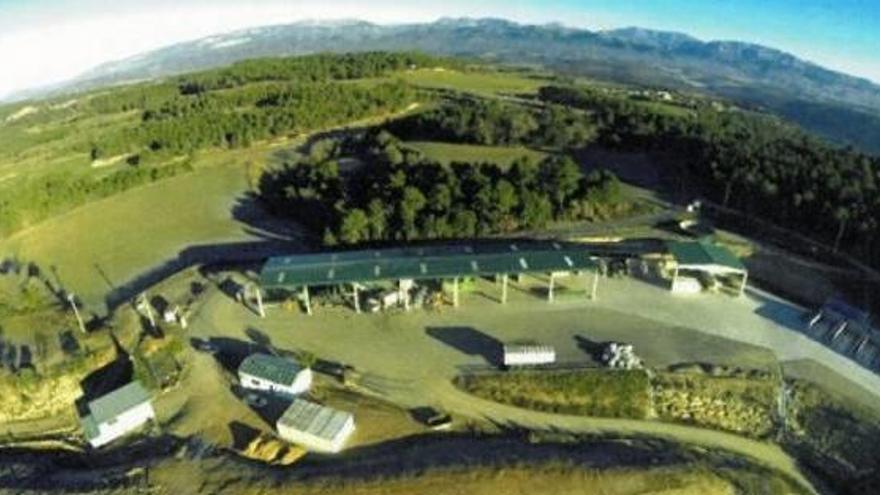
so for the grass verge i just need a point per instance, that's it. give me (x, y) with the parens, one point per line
(615, 394)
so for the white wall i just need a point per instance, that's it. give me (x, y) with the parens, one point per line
(301, 383)
(124, 423)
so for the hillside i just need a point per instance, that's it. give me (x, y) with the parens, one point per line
(174, 190)
(64, 153)
(835, 105)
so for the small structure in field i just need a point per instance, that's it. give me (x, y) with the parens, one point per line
(116, 414)
(315, 427)
(528, 354)
(274, 374)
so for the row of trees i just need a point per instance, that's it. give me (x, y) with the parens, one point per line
(253, 100)
(311, 68)
(291, 70)
(752, 162)
(403, 196)
(237, 118)
(208, 122)
(493, 122)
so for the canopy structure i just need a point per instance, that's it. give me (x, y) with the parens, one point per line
(421, 263)
(708, 258)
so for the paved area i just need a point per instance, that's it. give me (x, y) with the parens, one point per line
(410, 358)
(757, 318)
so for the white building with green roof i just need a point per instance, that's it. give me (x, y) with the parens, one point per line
(119, 412)
(274, 374)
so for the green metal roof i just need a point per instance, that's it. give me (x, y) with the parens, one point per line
(273, 368)
(421, 263)
(704, 254)
(117, 402)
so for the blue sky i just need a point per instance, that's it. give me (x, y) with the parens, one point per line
(48, 41)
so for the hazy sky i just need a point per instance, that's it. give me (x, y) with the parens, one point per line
(48, 41)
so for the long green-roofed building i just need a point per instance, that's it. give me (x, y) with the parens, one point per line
(299, 272)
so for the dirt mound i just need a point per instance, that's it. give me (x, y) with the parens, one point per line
(269, 449)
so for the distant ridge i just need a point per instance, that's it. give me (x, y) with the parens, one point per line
(839, 106)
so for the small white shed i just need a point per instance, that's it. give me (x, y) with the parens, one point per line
(274, 374)
(315, 427)
(116, 414)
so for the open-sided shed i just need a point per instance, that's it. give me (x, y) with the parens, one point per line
(302, 271)
(708, 258)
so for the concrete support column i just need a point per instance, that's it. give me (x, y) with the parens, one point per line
(455, 292)
(357, 298)
(674, 277)
(595, 285)
(504, 289)
(550, 290)
(742, 288)
(306, 299)
(260, 309)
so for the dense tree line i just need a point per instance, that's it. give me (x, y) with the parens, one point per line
(312, 68)
(206, 120)
(493, 122)
(236, 118)
(403, 196)
(297, 70)
(254, 100)
(40, 199)
(753, 162)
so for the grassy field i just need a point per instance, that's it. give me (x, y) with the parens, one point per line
(108, 242)
(484, 83)
(54, 139)
(122, 236)
(450, 152)
(741, 404)
(615, 394)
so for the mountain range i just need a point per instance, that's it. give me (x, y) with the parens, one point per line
(843, 108)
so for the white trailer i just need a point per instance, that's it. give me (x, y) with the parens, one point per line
(528, 354)
(114, 415)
